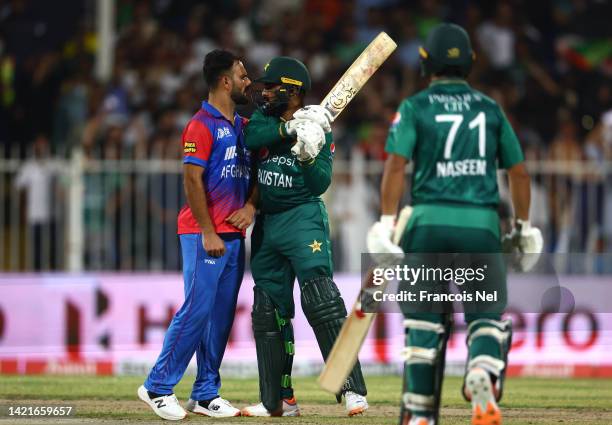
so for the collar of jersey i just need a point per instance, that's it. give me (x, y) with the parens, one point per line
(448, 81)
(215, 112)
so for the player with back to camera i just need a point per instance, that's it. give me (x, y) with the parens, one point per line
(456, 137)
(291, 236)
(217, 182)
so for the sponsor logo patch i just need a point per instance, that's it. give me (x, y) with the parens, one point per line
(264, 153)
(230, 153)
(190, 147)
(223, 132)
(332, 148)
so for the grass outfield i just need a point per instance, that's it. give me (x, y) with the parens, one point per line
(113, 399)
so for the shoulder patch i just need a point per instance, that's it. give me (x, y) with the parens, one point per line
(397, 117)
(189, 147)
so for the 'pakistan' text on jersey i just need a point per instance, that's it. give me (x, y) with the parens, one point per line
(212, 142)
(283, 183)
(457, 138)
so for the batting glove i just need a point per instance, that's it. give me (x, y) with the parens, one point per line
(290, 127)
(310, 141)
(315, 113)
(379, 240)
(527, 240)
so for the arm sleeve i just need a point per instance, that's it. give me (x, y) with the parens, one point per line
(510, 152)
(197, 143)
(402, 132)
(318, 173)
(263, 131)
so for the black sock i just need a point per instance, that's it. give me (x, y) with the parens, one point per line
(206, 403)
(153, 395)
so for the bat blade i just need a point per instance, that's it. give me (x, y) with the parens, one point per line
(358, 74)
(343, 356)
(345, 352)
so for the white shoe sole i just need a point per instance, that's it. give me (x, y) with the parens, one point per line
(249, 414)
(210, 413)
(484, 407)
(286, 413)
(142, 394)
(358, 410)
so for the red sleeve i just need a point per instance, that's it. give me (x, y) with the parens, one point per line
(197, 143)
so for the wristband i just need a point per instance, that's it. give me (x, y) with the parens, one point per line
(282, 130)
(522, 224)
(387, 220)
(307, 163)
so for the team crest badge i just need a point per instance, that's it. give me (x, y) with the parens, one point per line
(453, 53)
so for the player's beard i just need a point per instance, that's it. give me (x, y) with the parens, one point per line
(238, 97)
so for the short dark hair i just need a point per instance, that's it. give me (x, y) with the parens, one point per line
(216, 63)
(451, 72)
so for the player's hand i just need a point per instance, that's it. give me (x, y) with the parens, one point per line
(527, 240)
(242, 217)
(213, 244)
(315, 113)
(292, 125)
(310, 141)
(379, 241)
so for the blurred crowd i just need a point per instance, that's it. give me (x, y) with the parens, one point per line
(547, 62)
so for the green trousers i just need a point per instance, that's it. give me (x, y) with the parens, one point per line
(290, 244)
(448, 229)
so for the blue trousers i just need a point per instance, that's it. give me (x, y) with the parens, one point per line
(203, 323)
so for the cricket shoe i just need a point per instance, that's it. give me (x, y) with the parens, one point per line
(421, 420)
(479, 389)
(165, 406)
(289, 408)
(216, 408)
(356, 404)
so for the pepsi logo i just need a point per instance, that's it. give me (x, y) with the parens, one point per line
(332, 148)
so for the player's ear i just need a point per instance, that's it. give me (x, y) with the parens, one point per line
(226, 81)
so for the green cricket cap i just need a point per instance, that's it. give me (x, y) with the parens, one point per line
(286, 70)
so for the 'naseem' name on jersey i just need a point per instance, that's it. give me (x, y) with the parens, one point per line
(465, 167)
(273, 178)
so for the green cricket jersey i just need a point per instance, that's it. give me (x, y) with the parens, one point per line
(283, 182)
(457, 138)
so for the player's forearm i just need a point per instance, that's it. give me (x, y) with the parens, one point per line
(196, 198)
(392, 185)
(317, 175)
(253, 199)
(260, 133)
(520, 190)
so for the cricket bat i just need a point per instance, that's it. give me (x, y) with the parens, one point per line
(345, 351)
(357, 75)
